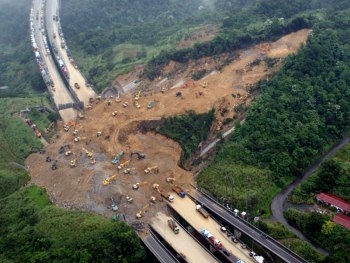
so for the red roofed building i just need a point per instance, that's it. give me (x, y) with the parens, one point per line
(341, 219)
(334, 201)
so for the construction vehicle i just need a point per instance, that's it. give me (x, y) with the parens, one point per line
(174, 227)
(125, 104)
(114, 205)
(150, 104)
(127, 171)
(68, 153)
(76, 85)
(114, 113)
(178, 94)
(63, 147)
(121, 166)
(170, 180)
(116, 158)
(202, 211)
(78, 139)
(129, 199)
(153, 169)
(204, 84)
(35, 149)
(54, 165)
(49, 127)
(168, 197)
(117, 98)
(137, 96)
(81, 115)
(214, 241)
(140, 156)
(137, 105)
(48, 159)
(99, 133)
(87, 153)
(177, 189)
(142, 212)
(137, 185)
(68, 125)
(73, 163)
(108, 180)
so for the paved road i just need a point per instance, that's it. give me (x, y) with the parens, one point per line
(162, 254)
(278, 203)
(61, 94)
(182, 242)
(254, 233)
(187, 209)
(85, 92)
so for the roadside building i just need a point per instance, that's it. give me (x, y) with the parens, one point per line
(341, 219)
(334, 201)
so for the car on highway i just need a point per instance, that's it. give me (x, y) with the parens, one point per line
(76, 85)
(234, 239)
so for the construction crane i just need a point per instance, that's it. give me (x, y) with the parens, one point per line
(121, 166)
(108, 180)
(141, 213)
(153, 169)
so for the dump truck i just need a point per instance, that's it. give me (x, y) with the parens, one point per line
(179, 191)
(201, 210)
(172, 224)
(214, 241)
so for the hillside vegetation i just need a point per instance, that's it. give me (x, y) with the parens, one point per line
(302, 111)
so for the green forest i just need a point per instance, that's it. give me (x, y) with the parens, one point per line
(301, 112)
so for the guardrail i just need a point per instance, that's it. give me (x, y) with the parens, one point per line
(249, 224)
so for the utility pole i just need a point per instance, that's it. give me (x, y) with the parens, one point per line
(248, 179)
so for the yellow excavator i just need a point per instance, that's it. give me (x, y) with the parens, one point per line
(141, 213)
(121, 166)
(108, 180)
(87, 153)
(137, 96)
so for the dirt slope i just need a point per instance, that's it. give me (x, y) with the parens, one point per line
(81, 187)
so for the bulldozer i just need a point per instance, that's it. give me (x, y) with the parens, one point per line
(78, 139)
(142, 212)
(73, 163)
(108, 180)
(121, 166)
(140, 156)
(170, 180)
(137, 185)
(153, 169)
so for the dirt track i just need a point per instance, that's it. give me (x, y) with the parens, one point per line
(81, 187)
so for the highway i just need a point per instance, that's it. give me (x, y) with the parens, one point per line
(186, 208)
(183, 242)
(75, 76)
(59, 92)
(254, 233)
(158, 249)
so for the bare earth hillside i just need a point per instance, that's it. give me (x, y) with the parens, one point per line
(81, 187)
